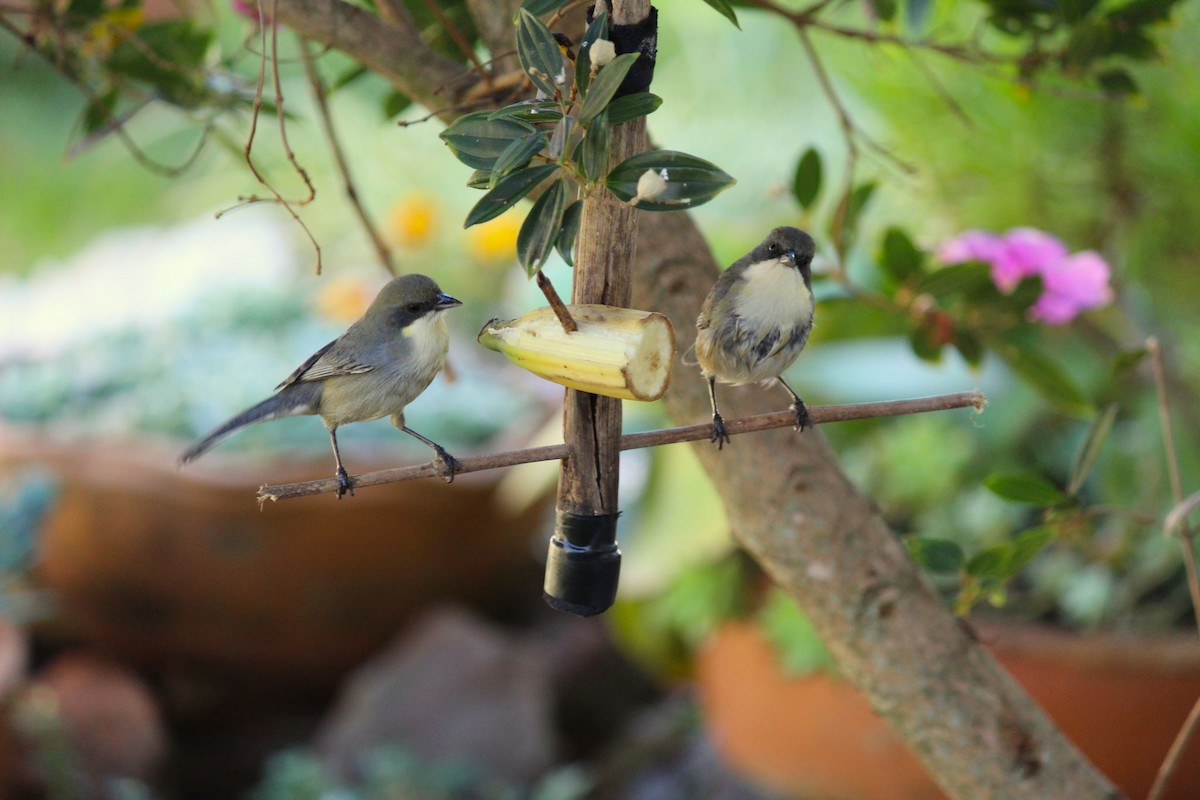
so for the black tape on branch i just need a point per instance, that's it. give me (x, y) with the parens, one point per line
(583, 566)
(640, 37)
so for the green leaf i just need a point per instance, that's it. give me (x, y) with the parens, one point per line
(691, 181)
(935, 555)
(1024, 487)
(884, 9)
(507, 192)
(480, 179)
(806, 184)
(1027, 545)
(1089, 449)
(1019, 300)
(968, 346)
(530, 111)
(900, 258)
(561, 138)
(990, 562)
(477, 141)
(955, 279)
(99, 112)
(395, 104)
(167, 55)
(592, 153)
(632, 106)
(540, 8)
(539, 54)
(607, 81)
(568, 232)
(542, 227)
(1046, 377)
(519, 153)
(923, 343)
(856, 204)
(597, 29)
(726, 10)
(788, 629)
(1117, 82)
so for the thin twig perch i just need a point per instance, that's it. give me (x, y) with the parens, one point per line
(634, 441)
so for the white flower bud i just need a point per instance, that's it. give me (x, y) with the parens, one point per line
(601, 52)
(650, 185)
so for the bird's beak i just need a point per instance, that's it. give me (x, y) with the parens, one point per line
(445, 301)
(789, 258)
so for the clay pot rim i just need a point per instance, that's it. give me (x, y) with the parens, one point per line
(1160, 652)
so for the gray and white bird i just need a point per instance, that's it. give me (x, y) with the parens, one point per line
(756, 320)
(373, 370)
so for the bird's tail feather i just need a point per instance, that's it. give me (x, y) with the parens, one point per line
(284, 404)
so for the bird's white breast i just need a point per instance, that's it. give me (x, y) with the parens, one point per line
(428, 339)
(774, 295)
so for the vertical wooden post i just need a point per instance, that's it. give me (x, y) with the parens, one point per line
(584, 560)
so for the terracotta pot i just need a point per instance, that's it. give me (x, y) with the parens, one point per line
(1120, 700)
(160, 565)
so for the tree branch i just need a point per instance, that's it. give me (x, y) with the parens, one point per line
(635, 441)
(394, 51)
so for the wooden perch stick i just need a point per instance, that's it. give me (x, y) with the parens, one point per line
(635, 441)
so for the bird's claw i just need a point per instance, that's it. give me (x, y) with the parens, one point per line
(344, 484)
(719, 434)
(801, 411)
(447, 464)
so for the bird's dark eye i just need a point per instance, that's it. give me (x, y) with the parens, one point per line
(413, 308)
(773, 249)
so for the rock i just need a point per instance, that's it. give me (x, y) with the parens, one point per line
(453, 688)
(108, 716)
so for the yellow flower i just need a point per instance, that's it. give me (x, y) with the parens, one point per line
(496, 239)
(343, 299)
(412, 220)
(104, 33)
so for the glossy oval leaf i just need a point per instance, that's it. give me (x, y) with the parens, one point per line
(540, 8)
(806, 183)
(539, 54)
(519, 153)
(541, 228)
(691, 181)
(1024, 487)
(632, 106)
(505, 194)
(480, 179)
(935, 555)
(726, 10)
(605, 85)
(597, 29)
(899, 257)
(592, 154)
(530, 111)
(569, 230)
(476, 140)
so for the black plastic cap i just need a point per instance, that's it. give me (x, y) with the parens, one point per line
(581, 581)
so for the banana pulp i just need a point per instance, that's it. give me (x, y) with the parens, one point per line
(617, 352)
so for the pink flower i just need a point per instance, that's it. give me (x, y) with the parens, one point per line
(1071, 283)
(245, 8)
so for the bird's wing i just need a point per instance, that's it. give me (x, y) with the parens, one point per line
(327, 362)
